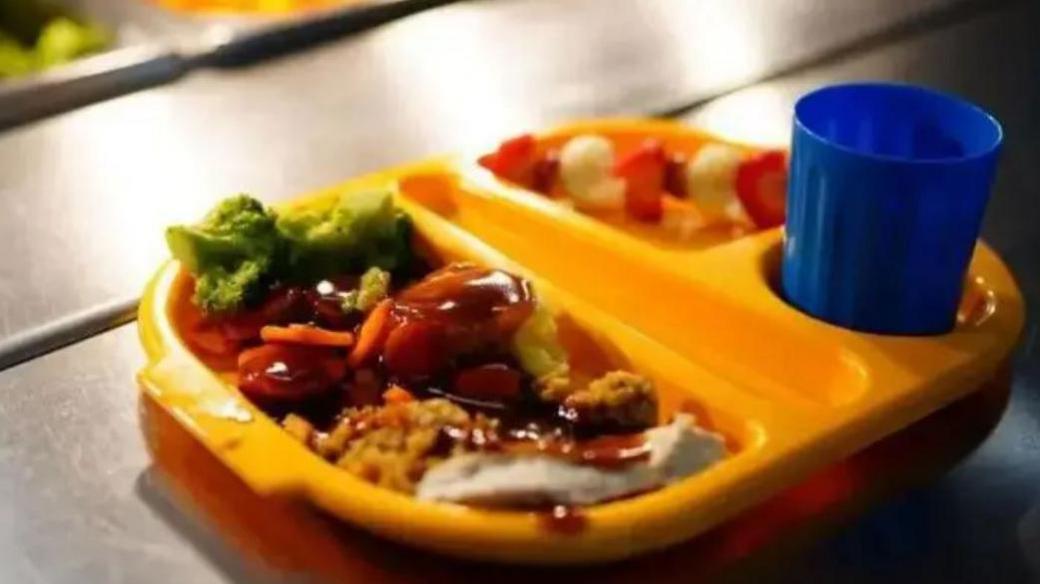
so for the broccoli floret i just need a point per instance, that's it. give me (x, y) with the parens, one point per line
(240, 246)
(39, 37)
(536, 345)
(348, 233)
(230, 252)
(374, 287)
(218, 290)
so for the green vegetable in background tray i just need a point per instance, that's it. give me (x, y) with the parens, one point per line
(34, 37)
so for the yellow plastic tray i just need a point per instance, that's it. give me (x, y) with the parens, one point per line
(793, 393)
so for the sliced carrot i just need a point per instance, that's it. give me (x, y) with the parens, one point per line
(301, 334)
(372, 334)
(397, 395)
(261, 352)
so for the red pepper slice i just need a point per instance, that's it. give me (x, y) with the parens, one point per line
(545, 172)
(514, 160)
(675, 176)
(644, 172)
(762, 187)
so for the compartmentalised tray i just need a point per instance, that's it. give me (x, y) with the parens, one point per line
(705, 322)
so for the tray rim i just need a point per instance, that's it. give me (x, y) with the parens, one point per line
(453, 529)
(617, 530)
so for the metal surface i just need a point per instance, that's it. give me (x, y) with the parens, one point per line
(85, 196)
(86, 80)
(154, 45)
(109, 177)
(80, 503)
(199, 34)
(66, 330)
(138, 58)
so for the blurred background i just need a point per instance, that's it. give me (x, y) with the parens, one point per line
(118, 117)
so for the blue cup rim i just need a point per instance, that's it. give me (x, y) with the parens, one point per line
(906, 88)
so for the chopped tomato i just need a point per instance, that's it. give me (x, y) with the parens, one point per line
(289, 372)
(514, 160)
(493, 382)
(762, 187)
(675, 175)
(304, 334)
(415, 349)
(644, 171)
(545, 172)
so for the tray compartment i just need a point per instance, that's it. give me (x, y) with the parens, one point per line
(652, 293)
(791, 393)
(626, 135)
(246, 440)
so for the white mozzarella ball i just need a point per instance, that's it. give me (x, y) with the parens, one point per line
(586, 162)
(711, 179)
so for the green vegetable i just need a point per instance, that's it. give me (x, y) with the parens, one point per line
(374, 287)
(14, 60)
(241, 246)
(230, 252)
(221, 290)
(536, 345)
(346, 234)
(63, 40)
(43, 41)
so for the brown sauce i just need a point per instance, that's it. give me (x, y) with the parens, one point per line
(608, 452)
(464, 295)
(563, 519)
(460, 310)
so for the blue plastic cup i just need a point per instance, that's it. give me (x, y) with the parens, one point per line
(887, 189)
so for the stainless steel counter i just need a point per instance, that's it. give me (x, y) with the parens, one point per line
(154, 45)
(85, 196)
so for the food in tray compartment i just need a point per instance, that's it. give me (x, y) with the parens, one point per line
(451, 382)
(36, 36)
(658, 457)
(682, 193)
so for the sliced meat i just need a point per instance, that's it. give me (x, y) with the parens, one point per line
(677, 450)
